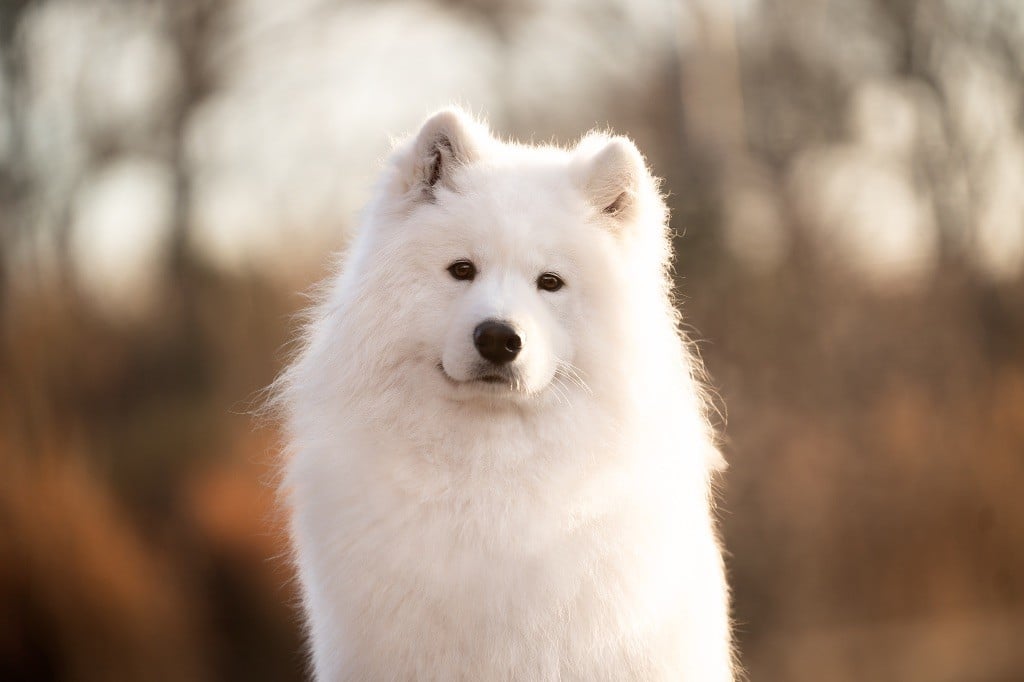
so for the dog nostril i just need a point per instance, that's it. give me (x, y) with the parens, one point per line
(497, 341)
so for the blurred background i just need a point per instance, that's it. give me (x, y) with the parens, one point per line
(847, 185)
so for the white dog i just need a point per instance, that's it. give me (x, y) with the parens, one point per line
(499, 463)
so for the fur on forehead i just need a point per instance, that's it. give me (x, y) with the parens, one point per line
(608, 170)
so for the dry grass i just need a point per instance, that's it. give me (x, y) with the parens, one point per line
(872, 508)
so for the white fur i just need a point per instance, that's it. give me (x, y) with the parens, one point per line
(554, 528)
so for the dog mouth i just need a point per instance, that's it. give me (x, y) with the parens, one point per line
(492, 377)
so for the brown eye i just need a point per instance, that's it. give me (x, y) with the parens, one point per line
(550, 282)
(462, 270)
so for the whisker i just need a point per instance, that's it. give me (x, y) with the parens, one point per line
(573, 374)
(558, 388)
(563, 391)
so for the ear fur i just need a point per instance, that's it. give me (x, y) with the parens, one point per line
(448, 139)
(609, 171)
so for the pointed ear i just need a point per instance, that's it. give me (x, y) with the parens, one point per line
(449, 139)
(609, 171)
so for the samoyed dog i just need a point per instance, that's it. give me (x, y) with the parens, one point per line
(499, 465)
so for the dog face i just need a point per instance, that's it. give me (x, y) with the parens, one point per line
(505, 263)
(499, 263)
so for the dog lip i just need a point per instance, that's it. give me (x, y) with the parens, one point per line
(486, 378)
(446, 375)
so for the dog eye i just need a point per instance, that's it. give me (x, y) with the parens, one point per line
(462, 270)
(549, 281)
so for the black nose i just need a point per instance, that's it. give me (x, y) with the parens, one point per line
(497, 341)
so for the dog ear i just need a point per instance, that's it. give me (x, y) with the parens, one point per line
(449, 139)
(609, 171)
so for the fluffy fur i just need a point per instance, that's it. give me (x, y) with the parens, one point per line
(553, 524)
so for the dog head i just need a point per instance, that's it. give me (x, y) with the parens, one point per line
(508, 271)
